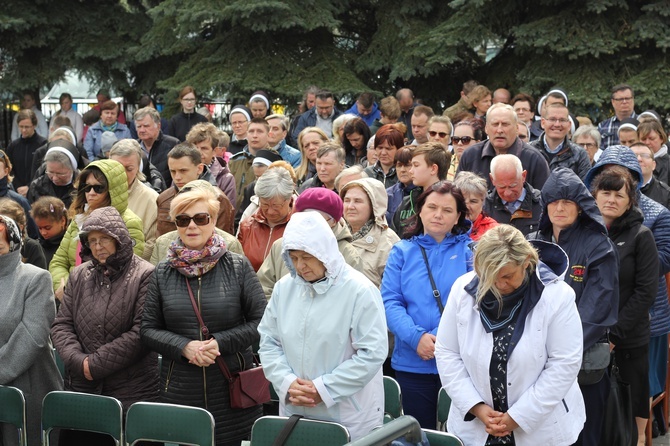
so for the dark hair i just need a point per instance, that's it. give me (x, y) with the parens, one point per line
(646, 127)
(525, 98)
(367, 100)
(443, 188)
(391, 134)
(424, 110)
(15, 211)
(145, 101)
(186, 90)
(404, 155)
(622, 87)
(63, 96)
(557, 95)
(614, 178)
(468, 86)
(188, 150)
(77, 206)
(324, 94)
(108, 105)
(477, 126)
(27, 113)
(356, 125)
(48, 208)
(435, 153)
(261, 121)
(60, 121)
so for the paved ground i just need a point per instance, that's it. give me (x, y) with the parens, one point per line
(662, 441)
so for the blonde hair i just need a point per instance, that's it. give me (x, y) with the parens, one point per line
(185, 200)
(303, 168)
(285, 165)
(500, 246)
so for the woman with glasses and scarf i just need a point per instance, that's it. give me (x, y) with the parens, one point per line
(105, 294)
(200, 272)
(102, 183)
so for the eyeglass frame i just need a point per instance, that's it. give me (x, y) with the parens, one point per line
(182, 217)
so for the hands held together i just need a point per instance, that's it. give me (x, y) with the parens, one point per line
(201, 353)
(497, 423)
(303, 393)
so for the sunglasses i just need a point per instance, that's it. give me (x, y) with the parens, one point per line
(442, 134)
(183, 220)
(462, 139)
(98, 188)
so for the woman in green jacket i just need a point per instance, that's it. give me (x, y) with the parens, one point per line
(101, 183)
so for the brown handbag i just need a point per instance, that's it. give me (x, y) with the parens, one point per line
(247, 388)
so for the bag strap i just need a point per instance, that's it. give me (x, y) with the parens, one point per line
(205, 332)
(436, 292)
(286, 430)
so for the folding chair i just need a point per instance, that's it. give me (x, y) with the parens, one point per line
(306, 432)
(443, 405)
(82, 411)
(171, 423)
(436, 438)
(392, 399)
(13, 410)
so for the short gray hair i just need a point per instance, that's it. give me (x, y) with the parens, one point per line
(506, 160)
(503, 106)
(275, 183)
(147, 111)
(356, 169)
(330, 146)
(471, 183)
(282, 118)
(58, 157)
(587, 130)
(128, 147)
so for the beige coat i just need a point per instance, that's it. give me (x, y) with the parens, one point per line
(274, 268)
(142, 201)
(375, 247)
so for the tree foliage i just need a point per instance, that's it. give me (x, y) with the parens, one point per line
(234, 47)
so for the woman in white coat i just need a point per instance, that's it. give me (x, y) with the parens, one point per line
(509, 346)
(323, 334)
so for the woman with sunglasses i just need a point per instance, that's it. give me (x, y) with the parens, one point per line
(231, 303)
(102, 183)
(105, 294)
(466, 133)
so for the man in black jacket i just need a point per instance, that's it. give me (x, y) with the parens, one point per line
(154, 143)
(513, 201)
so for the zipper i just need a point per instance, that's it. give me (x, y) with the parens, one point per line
(204, 372)
(169, 375)
(267, 245)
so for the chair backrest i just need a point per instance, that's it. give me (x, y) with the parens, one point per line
(443, 406)
(171, 423)
(436, 438)
(82, 411)
(306, 432)
(13, 410)
(392, 397)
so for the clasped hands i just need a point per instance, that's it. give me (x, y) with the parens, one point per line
(201, 353)
(303, 393)
(497, 423)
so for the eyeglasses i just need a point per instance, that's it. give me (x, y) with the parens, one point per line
(188, 99)
(183, 220)
(462, 139)
(97, 188)
(628, 99)
(588, 145)
(58, 175)
(102, 241)
(442, 134)
(560, 121)
(644, 156)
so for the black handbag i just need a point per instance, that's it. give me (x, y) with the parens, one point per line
(619, 427)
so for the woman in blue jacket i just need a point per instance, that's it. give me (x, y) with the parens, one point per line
(436, 251)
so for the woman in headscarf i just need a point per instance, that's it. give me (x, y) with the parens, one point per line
(27, 309)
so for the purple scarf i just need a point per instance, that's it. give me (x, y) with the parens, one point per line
(193, 263)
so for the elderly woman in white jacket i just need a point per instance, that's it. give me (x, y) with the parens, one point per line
(509, 346)
(323, 334)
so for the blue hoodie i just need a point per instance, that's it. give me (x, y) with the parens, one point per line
(656, 218)
(369, 118)
(411, 309)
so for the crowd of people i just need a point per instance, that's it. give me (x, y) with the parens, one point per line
(502, 251)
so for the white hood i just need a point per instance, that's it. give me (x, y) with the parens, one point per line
(309, 232)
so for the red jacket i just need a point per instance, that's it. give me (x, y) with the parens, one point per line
(257, 237)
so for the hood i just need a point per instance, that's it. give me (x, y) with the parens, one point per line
(108, 221)
(309, 232)
(619, 155)
(553, 263)
(564, 184)
(377, 195)
(12, 232)
(117, 180)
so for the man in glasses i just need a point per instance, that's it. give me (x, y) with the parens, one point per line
(185, 163)
(554, 144)
(501, 128)
(623, 103)
(651, 186)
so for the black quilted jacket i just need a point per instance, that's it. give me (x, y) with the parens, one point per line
(232, 304)
(100, 318)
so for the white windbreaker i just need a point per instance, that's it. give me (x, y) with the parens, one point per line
(332, 332)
